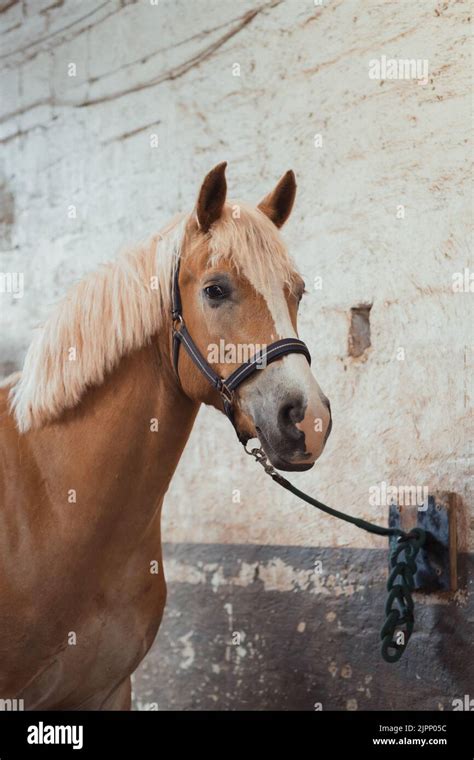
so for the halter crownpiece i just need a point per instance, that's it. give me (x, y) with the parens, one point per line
(225, 386)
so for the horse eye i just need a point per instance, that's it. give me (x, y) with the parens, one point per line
(215, 292)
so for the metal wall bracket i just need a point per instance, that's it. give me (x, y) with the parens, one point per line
(437, 561)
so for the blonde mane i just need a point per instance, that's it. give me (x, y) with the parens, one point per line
(119, 307)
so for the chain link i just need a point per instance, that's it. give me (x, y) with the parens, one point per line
(399, 607)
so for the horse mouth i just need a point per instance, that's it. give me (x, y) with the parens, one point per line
(277, 460)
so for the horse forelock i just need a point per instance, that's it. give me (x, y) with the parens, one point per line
(247, 238)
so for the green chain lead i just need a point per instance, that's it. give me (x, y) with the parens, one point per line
(394, 638)
(400, 621)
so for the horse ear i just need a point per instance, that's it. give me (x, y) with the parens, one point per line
(211, 197)
(277, 205)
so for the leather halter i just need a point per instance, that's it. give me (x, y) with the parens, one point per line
(225, 386)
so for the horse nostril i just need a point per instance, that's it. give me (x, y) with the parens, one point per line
(290, 413)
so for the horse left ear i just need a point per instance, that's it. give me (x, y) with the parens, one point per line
(211, 197)
(277, 205)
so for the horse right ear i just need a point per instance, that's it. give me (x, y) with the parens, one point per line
(212, 197)
(277, 205)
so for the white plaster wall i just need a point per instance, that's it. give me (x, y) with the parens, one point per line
(168, 69)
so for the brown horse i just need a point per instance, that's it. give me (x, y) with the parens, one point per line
(92, 430)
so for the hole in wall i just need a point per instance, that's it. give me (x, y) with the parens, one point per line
(359, 330)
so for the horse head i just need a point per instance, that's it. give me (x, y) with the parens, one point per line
(240, 292)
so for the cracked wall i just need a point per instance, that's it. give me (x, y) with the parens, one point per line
(382, 217)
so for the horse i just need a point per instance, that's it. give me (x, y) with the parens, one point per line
(93, 427)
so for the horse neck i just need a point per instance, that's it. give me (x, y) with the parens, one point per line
(119, 448)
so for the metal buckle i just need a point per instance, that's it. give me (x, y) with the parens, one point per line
(260, 457)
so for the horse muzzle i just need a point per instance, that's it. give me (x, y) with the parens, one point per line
(295, 437)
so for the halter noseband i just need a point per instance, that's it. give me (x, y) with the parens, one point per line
(225, 386)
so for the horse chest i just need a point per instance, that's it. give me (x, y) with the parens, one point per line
(107, 642)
